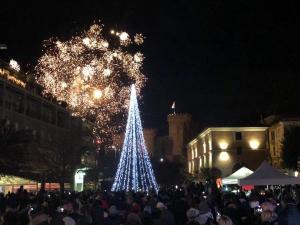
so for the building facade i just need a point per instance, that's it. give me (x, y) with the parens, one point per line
(171, 147)
(26, 109)
(225, 147)
(276, 133)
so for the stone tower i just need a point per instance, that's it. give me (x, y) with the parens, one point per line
(179, 132)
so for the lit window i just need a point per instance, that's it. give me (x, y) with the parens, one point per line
(210, 160)
(204, 147)
(192, 153)
(210, 143)
(200, 162)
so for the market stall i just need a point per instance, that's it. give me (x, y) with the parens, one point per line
(239, 174)
(265, 174)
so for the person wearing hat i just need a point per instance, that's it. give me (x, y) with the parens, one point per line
(165, 216)
(225, 220)
(192, 214)
(205, 214)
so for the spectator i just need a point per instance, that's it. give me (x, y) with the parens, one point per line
(225, 220)
(133, 219)
(165, 216)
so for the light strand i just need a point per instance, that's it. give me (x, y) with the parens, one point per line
(134, 171)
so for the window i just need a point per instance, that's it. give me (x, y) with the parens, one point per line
(14, 100)
(49, 114)
(62, 119)
(200, 162)
(210, 143)
(238, 136)
(210, 160)
(239, 150)
(196, 152)
(204, 147)
(204, 161)
(33, 108)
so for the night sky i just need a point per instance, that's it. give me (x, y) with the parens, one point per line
(225, 62)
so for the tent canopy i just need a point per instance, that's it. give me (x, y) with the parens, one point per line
(239, 174)
(265, 174)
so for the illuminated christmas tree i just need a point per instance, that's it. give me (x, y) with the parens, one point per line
(134, 170)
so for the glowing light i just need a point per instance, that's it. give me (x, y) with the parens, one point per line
(7, 75)
(64, 85)
(72, 71)
(86, 41)
(97, 94)
(14, 65)
(105, 44)
(223, 145)
(106, 72)
(124, 36)
(112, 31)
(254, 144)
(138, 57)
(139, 39)
(161, 159)
(224, 156)
(88, 72)
(134, 170)
(296, 173)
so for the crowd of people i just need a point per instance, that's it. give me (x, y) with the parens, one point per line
(195, 204)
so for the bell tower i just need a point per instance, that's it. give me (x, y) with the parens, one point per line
(179, 132)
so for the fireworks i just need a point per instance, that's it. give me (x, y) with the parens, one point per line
(92, 75)
(14, 65)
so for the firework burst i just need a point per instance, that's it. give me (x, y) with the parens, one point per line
(93, 74)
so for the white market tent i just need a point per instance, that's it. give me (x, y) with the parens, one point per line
(265, 174)
(239, 174)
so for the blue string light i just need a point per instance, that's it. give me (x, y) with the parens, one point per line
(134, 172)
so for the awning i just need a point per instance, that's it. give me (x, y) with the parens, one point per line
(239, 174)
(265, 174)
